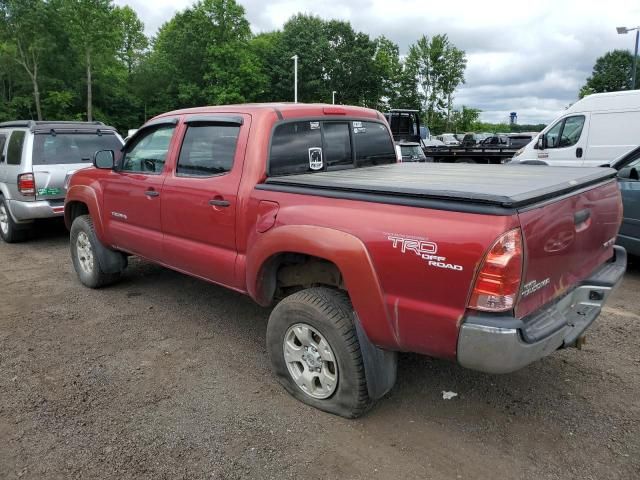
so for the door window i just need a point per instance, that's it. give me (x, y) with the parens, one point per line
(208, 150)
(571, 131)
(3, 139)
(566, 132)
(14, 149)
(149, 151)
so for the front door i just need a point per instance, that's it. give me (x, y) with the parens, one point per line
(133, 193)
(566, 142)
(630, 190)
(200, 196)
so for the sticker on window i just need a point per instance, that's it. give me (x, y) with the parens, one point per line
(359, 129)
(314, 125)
(357, 124)
(315, 158)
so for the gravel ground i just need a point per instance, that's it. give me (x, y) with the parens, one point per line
(165, 376)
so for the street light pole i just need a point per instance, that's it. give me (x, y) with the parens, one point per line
(295, 78)
(635, 60)
(625, 30)
(333, 97)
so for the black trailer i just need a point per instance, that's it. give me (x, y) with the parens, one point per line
(487, 155)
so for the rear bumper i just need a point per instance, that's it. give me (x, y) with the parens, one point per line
(495, 343)
(27, 211)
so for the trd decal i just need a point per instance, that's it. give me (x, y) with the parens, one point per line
(533, 286)
(424, 249)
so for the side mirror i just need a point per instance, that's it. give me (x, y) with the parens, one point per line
(541, 144)
(629, 173)
(104, 159)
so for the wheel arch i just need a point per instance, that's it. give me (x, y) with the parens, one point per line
(343, 255)
(82, 200)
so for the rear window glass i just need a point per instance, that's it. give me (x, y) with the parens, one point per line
(208, 150)
(14, 149)
(65, 148)
(373, 144)
(308, 146)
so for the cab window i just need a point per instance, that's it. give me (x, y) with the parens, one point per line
(207, 150)
(149, 151)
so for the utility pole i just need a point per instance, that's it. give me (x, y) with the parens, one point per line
(623, 31)
(295, 78)
(333, 97)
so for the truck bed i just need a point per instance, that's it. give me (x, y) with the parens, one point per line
(496, 187)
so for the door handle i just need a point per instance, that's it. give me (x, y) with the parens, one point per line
(579, 152)
(151, 193)
(218, 202)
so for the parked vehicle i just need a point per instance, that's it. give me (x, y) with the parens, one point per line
(591, 132)
(628, 167)
(307, 207)
(405, 125)
(448, 139)
(473, 139)
(36, 159)
(411, 152)
(486, 154)
(519, 140)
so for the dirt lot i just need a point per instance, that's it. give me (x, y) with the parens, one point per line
(164, 376)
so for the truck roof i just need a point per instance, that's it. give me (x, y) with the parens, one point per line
(283, 110)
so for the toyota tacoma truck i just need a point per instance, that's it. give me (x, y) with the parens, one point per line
(306, 207)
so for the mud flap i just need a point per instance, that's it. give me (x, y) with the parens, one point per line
(110, 261)
(380, 366)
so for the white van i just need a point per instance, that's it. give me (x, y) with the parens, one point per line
(592, 132)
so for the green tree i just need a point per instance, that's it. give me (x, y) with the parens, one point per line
(438, 67)
(27, 39)
(611, 73)
(133, 41)
(93, 30)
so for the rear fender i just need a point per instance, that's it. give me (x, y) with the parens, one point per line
(346, 251)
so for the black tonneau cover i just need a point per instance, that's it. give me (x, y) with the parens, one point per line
(502, 186)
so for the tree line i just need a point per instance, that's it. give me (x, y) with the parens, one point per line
(91, 60)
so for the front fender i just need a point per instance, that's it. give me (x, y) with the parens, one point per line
(347, 252)
(88, 196)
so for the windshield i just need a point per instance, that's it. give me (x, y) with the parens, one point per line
(67, 148)
(412, 152)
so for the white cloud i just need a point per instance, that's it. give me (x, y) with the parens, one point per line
(530, 58)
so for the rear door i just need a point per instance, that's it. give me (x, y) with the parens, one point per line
(200, 197)
(132, 193)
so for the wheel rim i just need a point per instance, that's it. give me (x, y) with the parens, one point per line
(4, 219)
(310, 361)
(84, 252)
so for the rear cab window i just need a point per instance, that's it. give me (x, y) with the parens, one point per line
(320, 145)
(69, 148)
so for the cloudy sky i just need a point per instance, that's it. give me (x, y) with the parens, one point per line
(529, 57)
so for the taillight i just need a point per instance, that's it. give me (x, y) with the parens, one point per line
(498, 282)
(26, 184)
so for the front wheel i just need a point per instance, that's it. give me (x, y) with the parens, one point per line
(315, 353)
(85, 248)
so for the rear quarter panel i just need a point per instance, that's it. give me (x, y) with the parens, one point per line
(424, 302)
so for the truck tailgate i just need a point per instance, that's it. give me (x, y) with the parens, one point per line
(565, 241)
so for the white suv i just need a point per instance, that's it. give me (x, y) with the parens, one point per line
(36, 161)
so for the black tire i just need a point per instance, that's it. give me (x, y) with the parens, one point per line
(331, 314)
(11, 232)
(91, 275)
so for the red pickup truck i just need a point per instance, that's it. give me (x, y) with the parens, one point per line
(306, 207)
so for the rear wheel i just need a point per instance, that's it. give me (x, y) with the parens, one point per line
(9, 230)
(85, 248)
(314, 351)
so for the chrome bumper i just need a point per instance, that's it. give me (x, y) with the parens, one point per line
(503, 344)
(27, 211)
